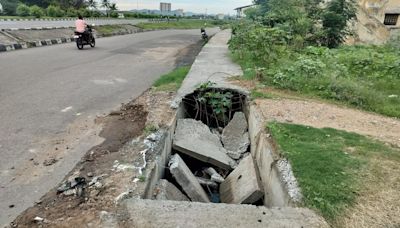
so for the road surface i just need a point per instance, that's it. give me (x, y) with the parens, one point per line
(71, 23)
(50, 96)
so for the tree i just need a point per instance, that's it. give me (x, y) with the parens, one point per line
(36, 11)
(23, 10)
(92, 4)
(105, 4)
(335, 19)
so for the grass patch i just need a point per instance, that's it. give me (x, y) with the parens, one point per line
(329, 164)
(173, 80)
(258, 94)
(149, 129)
(109, 29)
(181, 24)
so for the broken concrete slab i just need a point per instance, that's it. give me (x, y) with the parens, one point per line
(216, 177)
(235, 136)
(195, 139)
(171, 214)
(207, 182)
(164, 190)
(242, 185)
(187, 180)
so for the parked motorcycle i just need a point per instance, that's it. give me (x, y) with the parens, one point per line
(204, 35)
(85, 38)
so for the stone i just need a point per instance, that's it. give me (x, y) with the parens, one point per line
(195, 139)
(164, 190)
(216, 177)
(187, 180)
(171, 214)
(242, 185)
(235, 136)
(207, 182)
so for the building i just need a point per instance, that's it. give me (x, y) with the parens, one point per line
(1, 8)
(179, 13)
(239, 10)
(220, 16)
(165, 7)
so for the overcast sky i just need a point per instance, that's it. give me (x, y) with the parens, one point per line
(197, 6)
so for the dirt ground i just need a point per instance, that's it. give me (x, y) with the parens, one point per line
(112, 163)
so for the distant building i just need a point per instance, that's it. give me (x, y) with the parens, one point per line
(179, 12)
(165, 7)
(1, 8)
(220, 16)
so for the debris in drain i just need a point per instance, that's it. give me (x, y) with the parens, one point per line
(206, 182)
(216, 177)
(187, 180)
(164, 190)
(235, 136)
(195, 139)
(242, 185)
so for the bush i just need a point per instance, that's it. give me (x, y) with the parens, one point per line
(85, 12)
(23, 10)
(114, 14)
(71, 12)
(9, 7)
(36, 11)
(54, 11)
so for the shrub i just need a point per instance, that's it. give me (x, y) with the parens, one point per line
(36, 11)
(23, 10)
(54, 11)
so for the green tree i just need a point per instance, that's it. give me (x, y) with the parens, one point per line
(106, 5)
(9, 7)
(23, 10)
(92, 4)
(335, 19)
(54, 11)
(36, 11)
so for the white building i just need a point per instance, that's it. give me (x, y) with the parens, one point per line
(179, 12)
(220, 16)
(165, 7)
(1, 8)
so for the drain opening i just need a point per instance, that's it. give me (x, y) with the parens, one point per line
(210, 158)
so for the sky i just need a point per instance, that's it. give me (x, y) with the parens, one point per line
(197, 6)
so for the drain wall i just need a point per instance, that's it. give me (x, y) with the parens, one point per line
(275, 192)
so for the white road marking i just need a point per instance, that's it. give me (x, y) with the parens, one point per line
(66, 109)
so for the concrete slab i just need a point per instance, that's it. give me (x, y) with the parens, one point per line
(172, 214)
(196, 140)
(242, 185)
(235, 137)
(164, 190)
(187, 180)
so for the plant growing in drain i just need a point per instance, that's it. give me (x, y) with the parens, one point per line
(213, 104)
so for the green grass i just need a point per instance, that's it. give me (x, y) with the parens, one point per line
(328, 163)
(173, 80)
(258, 94)
(181, 24)
(108, 29)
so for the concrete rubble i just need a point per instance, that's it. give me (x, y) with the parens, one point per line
(196, 140)
(235, 136)
(187, 180)
(242, 185)
(166, 191)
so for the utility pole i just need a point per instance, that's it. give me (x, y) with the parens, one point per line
(206, 14)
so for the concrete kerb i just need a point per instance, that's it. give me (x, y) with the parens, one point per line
(48, 42)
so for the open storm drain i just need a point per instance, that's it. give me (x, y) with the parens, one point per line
(210, 159)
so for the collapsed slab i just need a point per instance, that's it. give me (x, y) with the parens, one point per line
(187, 180)
(164, 190)
(196, 140)
(148, 213)
(242, 185)
(235, 137)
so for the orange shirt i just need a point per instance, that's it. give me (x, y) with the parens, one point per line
(80, 25)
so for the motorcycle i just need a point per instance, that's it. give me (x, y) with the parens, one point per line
(204, 35)
(85, 38)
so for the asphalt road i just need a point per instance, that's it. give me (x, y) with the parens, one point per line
(50, 96)
(35, 24)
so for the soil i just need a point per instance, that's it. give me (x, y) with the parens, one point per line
(123, 144)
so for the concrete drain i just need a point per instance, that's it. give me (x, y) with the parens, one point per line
(209, 155)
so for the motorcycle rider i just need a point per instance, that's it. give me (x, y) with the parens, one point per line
(80, 26)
